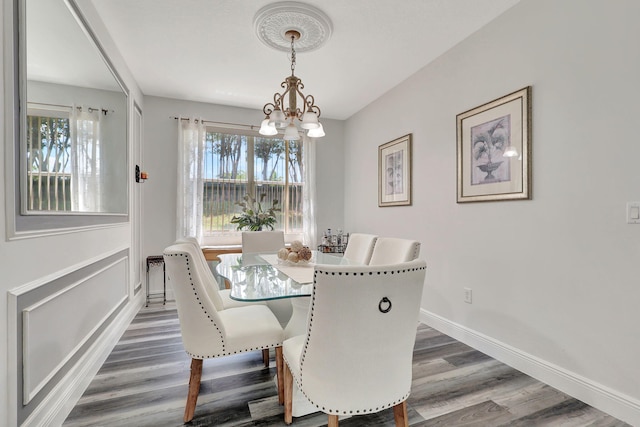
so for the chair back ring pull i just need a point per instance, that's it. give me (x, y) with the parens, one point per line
(384, 301)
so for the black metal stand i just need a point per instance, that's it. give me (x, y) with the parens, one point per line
(157, 260)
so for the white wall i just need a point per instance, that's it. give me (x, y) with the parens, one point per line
(554, 279)
(33, 264)
(160, 153)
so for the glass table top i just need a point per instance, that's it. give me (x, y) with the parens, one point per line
(260, 277)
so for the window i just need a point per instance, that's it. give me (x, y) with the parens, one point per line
(236, 164)
(48, 159)
(63, 159)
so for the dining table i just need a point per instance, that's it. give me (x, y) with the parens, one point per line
(260, 277)
(263, 276)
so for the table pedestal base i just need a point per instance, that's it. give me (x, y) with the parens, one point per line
(298, 323)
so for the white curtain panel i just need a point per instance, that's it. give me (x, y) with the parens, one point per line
(191, 139)
(86, 189)
(309, 227)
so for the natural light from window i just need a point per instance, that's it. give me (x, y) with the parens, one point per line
(275, 169)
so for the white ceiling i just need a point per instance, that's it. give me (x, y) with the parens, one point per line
(207, 50)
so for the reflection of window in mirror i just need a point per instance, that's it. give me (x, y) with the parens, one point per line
(63, 158)
(48, 158)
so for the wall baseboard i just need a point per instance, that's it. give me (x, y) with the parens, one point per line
(597, 395)
(60, 402)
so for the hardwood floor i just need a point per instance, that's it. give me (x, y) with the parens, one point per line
(144, 383)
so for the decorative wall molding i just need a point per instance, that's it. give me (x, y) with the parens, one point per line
(55, 321)
(62, 399)
(42, 320)
(597, 395)
(30, 286)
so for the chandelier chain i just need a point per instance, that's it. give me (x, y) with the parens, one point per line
(293, 56)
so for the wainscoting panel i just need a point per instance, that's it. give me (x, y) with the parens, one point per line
(58, 320)
(55, 328)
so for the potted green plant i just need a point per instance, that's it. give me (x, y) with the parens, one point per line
(253, 216)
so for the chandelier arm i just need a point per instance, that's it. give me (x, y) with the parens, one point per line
(281, 100)
(277, 100)
(268, 108)
(309, 102)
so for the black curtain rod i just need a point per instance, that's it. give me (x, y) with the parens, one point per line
(79, 107)
(102, 110)
(221, 124)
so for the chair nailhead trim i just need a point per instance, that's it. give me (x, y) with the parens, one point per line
(224, 353)
(298, 382)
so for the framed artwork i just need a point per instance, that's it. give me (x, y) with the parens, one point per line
(494, 145)
(394, 172)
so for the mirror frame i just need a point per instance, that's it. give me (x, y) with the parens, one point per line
(19, 224)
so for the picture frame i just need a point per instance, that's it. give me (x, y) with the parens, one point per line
(394, 172)
(494, 149)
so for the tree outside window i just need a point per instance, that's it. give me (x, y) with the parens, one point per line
(236, 165)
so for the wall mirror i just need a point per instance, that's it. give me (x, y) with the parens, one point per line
(73, 122)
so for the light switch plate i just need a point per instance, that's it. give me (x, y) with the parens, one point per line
(633, 212)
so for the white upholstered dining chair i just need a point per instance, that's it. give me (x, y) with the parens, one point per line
(262, 241)
(220, 297)
(360, 247)
(255, 242)
(391, 250)
(356, 356)
(208, 332)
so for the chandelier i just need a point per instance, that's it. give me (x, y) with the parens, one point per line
(285, 109)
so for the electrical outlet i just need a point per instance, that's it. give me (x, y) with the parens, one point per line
(467, 295)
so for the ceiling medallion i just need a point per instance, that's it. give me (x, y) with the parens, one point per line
(273, 21)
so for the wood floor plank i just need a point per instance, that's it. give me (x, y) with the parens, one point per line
(486, 413)
(427, 368)
(530, 399)
(467, 358)
(433, 406)
(144, 383)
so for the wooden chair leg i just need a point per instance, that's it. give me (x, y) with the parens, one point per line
(400, 414)
(288, 395)
(265, 357)
(280, 374)
(333, 421)
(194, 389)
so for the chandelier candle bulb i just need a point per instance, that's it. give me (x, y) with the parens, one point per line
(291, 133)
(278, 119)
(309, 120)
(266, 128)
(317, 132)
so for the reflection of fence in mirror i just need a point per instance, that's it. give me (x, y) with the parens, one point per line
(74, 149)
